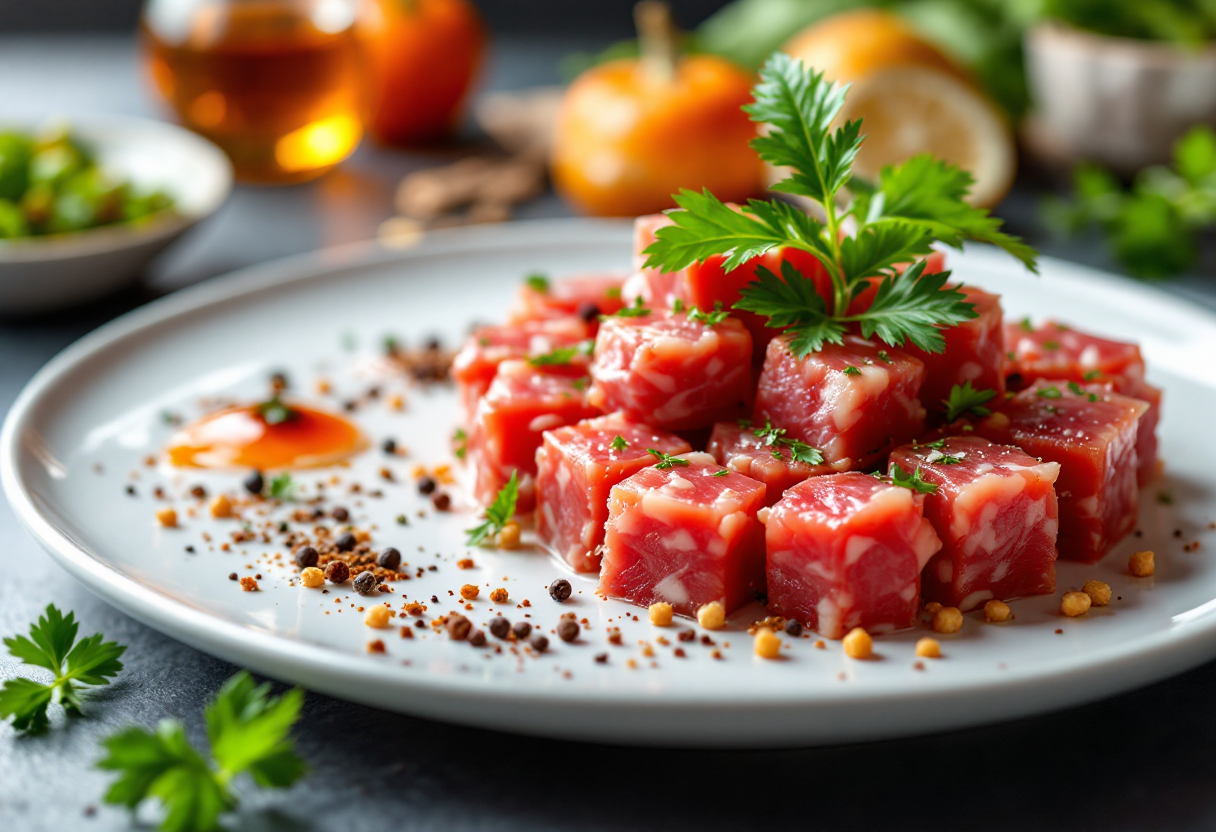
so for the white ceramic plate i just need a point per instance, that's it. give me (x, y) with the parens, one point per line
(99, 404)
(44, 273)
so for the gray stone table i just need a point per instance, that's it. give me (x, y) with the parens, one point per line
(1144, 760)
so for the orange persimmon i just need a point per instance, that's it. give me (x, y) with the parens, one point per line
(423, 56)
(632, 132)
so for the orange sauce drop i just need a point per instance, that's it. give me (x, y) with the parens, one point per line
(238, 437)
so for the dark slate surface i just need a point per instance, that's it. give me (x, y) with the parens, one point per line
(1144, 760)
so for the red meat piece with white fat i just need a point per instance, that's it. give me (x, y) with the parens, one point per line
(475, 366)
(686, 534)
(672, 372)
(522, 403)
(853, 401)
(996, 514)
(1092, 435)
(736, 446)
(1056, 351)
(845, 551)
(974, 352)
(581, 296)
(576, 467)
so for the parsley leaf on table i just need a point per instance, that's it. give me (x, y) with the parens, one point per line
(964, 398)
(52, 645)
(498, 514)
(249, 732)
(282, 487)
(897, 219)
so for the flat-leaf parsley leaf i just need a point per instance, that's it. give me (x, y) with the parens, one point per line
(498, 514)
(966, 399)
(913, 481)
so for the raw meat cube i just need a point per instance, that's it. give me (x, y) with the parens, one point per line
(975, 352)
(1056, 351)
(684, 534)
(995, 511)
(522, 403)
(583, 296)
(845, 551)
(672, 372)
(766, 457)
(656, 289)
(475, 366)
(1092, 435)
(576, 467)
(853, 401)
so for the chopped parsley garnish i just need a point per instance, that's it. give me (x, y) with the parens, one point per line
(937, 445)
(460, 443)
(638, 310)
(744, 423)
(52, 645)
(1026, 325)
(1049, 393)
(709, 319)
(1092, 375)
(391, 345)
(912, 481)
(721, 473)
(274, 412)
(537, 282)
(966, 399)
(776, 439)
(677, 306)
(1051, 345)
(562, 355)
(249, 732)
(1080, 391)
(619, 443)
(885, 357)
(897, 219)
(498, 514)
(580, 384)
(613, 292)
(1165, 498)
(282, 487)
(665, 460)
(851, 371)
(1051, 408)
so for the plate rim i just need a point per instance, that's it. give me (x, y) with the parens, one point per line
(1148, 659)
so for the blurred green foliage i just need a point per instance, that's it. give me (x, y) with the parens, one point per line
(1185, 22)
(52, 184)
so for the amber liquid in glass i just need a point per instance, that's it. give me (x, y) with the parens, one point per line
(258, 78)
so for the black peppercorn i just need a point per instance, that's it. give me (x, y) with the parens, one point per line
(307, 556)
(254, 483)
(389, 446)
(232, 576)
(337, 572)
(522, 630)
(459, 627)
(601, 658)
(793, 628)
(365, 583)
(433, 344)
(500, 627)
(560, 590)
(477, 638)
(340, 514)
(441, 501)
(539, 643)
(345, 542)
(198, 492)
(589, 312)
(278, 381)
(567, 629)
(427, 485)
(390, 558)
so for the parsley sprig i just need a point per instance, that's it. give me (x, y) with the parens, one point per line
(911, 481)
(498, 514)
(249, 732)
(638, 310)
(562, 356)
(776, 439)
(665, 460)
(964, 398)
(709, 318)
(52, 645)
(896, 219)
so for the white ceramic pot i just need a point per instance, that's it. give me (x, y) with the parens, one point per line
(1116, 101)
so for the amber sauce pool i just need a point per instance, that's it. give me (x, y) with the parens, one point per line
(238, 437)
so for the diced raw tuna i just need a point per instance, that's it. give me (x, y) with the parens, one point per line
(853, 401)
(1057, 351)
(522, 403)
(576, 467)
(475, 366)
(996, 514)
(845, 551)
(583, 296)
(1093, 437)
(975, 352)
(736, 446)
(685, 535)
(672, 372)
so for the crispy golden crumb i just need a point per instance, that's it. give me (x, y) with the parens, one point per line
(469, 591)
(1141, 564)
(947, 620)
(858, 644)
(167, 517)
(1098, 592)
(929, 648)
(712, 616)
(508, 538)
(323, 387)
(996, 611)
(249, 584)
(415, 609)
(376, 646)
(396, 402)
(932, 607)
(1074, 604)
(312, 577)
(660, 614)
(377, 617)
(499, 596)
(221, 506)
(767, 644)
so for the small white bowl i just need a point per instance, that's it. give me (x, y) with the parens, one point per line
(44, 273)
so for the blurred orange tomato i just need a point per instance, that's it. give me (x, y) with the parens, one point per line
(626, 139)
(424, 56)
